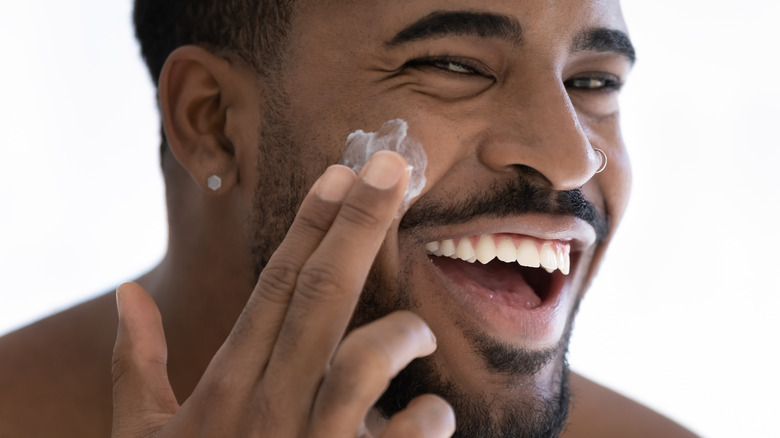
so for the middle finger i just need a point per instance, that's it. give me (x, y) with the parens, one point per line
(331, 280)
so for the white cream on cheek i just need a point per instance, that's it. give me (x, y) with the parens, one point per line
(391, 136)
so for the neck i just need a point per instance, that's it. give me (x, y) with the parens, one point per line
(199, 305)
(200, 287)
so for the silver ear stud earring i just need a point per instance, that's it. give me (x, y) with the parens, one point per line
(603, 161)
(214, 182)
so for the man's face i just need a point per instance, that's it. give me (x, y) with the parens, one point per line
(508, 100)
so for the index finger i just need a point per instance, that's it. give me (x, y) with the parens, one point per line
(330, 282)
(250, 342)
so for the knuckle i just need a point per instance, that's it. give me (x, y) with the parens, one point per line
(314, 223)
(277, 278)
(131, 362)
(365, 357)
(318, 284)
(119, 367)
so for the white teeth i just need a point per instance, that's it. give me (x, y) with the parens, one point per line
(566, 262)
(465, 250)
(486, 249)
(433, 248)
(547, 257)
(447, 248)
(506, 251)
(528, 252)
(561, 260)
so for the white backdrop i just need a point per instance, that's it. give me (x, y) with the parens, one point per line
(683, 316)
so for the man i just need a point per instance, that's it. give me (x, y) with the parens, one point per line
(272, 248)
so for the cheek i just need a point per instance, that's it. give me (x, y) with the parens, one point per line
(441, 145)
(441, 138)
(615, 183)
(450, 139)
(611, 188)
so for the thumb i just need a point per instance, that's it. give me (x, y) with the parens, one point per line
(143, 398)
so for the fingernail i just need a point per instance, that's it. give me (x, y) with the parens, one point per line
(335, 183)
(384, 170)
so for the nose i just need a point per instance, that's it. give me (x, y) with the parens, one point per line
(538, 128)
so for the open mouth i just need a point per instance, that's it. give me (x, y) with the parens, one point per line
(520, 271)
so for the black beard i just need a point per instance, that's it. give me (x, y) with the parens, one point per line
(525, 413)
(282, 184)
(482, 415)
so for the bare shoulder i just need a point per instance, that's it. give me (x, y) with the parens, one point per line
(597, 411)
(56, 373)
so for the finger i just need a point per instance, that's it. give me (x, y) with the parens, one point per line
(331, 280)
(362, 368)
(142, 396)
(256, 330)
(426, 416)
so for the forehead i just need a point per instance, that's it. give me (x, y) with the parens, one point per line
(370, 22)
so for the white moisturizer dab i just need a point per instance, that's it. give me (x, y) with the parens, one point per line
(391, 136)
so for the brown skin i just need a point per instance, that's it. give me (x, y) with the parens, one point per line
(475, 129)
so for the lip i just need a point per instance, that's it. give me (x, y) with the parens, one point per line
(508, 316)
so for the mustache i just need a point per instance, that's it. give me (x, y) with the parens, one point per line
(513, 198)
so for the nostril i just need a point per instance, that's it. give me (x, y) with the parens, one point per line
(532, 175)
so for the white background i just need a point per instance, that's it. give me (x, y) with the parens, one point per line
(684, 315)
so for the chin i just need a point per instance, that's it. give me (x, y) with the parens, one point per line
(501, 359)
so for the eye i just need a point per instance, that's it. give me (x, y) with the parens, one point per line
(595, 93)
(451, 65)
(595, 82)
(446, 78)
(454, 67)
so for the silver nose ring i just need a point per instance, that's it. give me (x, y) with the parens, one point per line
(603, 161)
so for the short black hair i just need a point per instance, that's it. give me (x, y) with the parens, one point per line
(253, 32)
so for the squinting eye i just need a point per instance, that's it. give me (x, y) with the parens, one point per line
(450, 65)
(595, 83)
(448, 78)
(453, 67)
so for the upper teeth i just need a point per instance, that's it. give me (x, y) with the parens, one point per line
(526, 251)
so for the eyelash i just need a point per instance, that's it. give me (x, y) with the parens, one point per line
(453, 65)
(595, 82)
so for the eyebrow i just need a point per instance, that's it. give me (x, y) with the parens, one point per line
(439, 24)
(460, 23)
(605, 40)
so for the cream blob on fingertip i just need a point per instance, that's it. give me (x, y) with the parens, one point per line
(392, 136)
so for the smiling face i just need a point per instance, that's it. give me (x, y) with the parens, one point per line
(509, 100)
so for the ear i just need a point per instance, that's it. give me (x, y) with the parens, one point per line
(196, 95)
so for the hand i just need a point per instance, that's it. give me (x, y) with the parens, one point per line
(286, 369)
